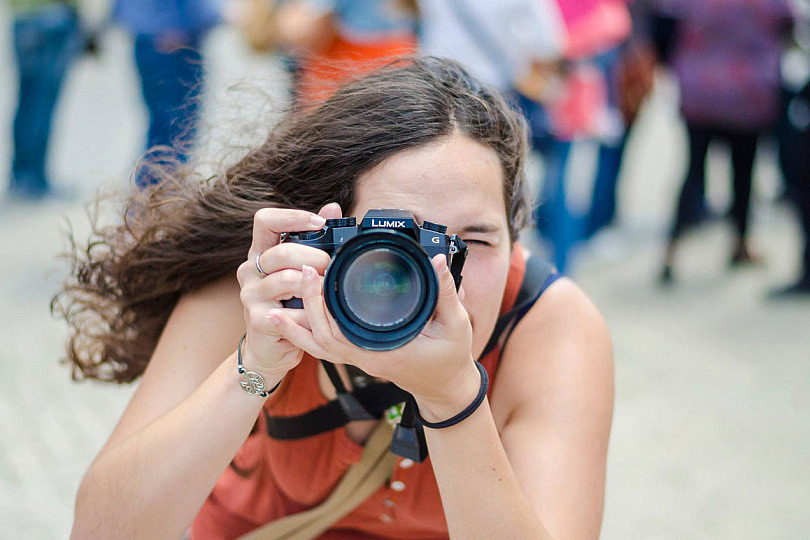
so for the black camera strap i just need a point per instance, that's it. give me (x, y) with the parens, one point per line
(369, 400)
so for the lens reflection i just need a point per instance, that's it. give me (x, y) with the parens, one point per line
(382, 288)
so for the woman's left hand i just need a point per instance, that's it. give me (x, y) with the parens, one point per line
(436, 367)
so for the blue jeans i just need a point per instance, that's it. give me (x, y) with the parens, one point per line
(170, 83)
(45, 43)
(603, 201)
(552, 217)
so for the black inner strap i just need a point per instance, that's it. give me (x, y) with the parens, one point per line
(374, 398)
(534, 282)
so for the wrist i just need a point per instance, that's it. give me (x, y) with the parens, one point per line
(459, 395)
(252, 381)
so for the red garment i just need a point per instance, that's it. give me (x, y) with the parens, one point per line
(290, 476)
(321, 75)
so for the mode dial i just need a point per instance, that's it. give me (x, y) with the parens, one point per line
(341, 222)
(435, 227)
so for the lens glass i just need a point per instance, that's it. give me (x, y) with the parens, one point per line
(382, 288)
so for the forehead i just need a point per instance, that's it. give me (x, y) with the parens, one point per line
(453, 180)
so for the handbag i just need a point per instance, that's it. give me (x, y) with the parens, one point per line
(359, 482)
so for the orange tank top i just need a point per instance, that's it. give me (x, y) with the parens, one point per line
(272, 478)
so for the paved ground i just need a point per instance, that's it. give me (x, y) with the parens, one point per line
(711, 434)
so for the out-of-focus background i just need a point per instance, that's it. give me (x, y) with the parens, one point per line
(711, 432)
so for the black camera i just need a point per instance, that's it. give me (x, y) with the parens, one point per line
(380, 286)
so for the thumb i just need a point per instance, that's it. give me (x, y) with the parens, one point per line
(448, 303)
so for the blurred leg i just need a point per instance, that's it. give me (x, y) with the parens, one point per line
(695, 182)
(603, 203)
(692, 189)
(802, 194)
(45, 43)
(170, 84)
(553, 217)
(743, 151)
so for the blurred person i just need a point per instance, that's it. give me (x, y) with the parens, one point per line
(204, 264)
(629, 71)
(169, 38)
(726, 59)
(794, 147)
(327, 41)
(47, 39)
(583, 109)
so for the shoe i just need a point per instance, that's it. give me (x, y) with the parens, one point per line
(744, 257)
(798, 290)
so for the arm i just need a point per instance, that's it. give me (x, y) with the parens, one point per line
(553, 404)
(189, 415)
(544, 475)
(158, 466)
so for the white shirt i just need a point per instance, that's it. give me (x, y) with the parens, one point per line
(519, 30)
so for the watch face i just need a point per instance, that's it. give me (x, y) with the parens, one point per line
(252, 383)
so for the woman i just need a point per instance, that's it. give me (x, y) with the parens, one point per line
(726, 59)
(179, 288)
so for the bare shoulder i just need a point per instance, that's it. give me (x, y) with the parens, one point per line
(553, 405)
(202, 331)
(559, 356)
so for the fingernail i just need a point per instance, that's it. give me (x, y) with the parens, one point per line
(308, 272)
(317, 221)
(442, 263)
(273, 318)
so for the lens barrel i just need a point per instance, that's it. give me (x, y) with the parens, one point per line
(381, 289)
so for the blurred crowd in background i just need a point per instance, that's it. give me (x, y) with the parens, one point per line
(579, 70)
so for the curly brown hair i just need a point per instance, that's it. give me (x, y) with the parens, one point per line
(185, 232)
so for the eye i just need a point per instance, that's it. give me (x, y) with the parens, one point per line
(476, 242)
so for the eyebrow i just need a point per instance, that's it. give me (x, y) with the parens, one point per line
(484, 228)
(481, 228)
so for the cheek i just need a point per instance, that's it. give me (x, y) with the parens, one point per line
(484, 282)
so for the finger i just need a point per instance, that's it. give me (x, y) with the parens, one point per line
(292, 256)
(297, 334)
(270, 223)
(298, 316)
(319, 321)
(331, 211)
(448, 306)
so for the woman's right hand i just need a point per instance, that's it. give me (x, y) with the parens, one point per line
(265, 350)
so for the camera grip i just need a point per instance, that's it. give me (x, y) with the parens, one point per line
(293, 303)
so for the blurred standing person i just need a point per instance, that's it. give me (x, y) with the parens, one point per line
(726, 59)
(329, 40)
(581, 110)
(629, 70)
(169, 36)
(794, 143)
(47, 39)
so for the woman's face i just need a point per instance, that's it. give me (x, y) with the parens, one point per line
(457, 182)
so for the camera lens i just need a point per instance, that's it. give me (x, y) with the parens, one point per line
(382, 289)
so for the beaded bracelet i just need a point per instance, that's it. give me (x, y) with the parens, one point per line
(471, 408)
(250, 381)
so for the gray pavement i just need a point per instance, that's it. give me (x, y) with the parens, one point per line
(711, 433)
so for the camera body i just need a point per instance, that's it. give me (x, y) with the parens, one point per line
(380, 286)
